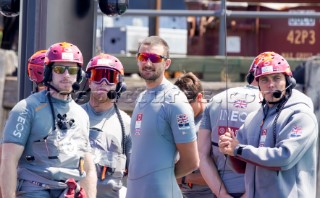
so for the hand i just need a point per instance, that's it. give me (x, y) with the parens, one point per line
(227, 142)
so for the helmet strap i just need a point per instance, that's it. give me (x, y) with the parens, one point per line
(56, 90)
(277, 102)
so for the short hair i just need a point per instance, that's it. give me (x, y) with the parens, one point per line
(190, 85)
(156, 40)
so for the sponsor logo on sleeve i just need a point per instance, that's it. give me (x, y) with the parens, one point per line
(138, 124)
(183, 121)
(296, 131)
(20, 125)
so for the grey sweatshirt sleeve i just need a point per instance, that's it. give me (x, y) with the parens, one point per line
(293, 140)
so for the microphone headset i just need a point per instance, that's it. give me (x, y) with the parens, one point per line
(250, 77)
(75, 86)
(115, 94)
(80, 76)
(277, 93)
(292, 83)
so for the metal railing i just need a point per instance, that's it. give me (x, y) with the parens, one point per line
(222, 14)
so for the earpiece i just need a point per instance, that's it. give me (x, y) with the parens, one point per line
(250, 77)
(293, 82)
(80, 75)
(88, 74)
(47, 74)
(290, 81)
(121, 87)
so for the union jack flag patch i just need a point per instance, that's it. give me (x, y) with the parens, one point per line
(240, 104)
(183, 121)
(296, 131)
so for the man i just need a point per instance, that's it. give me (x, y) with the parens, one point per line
(193, 185)
(46, 138)
(35, 73)
(277, 145)
(162, 124)
(109, 126)
(227, 109)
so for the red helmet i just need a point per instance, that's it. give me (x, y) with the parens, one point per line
(36, 66)
(105, 60)
(270, 63)
(64, 52)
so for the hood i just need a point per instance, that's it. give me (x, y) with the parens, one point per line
(298, 97)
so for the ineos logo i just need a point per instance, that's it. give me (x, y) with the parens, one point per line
(235, 116)
(20, 124)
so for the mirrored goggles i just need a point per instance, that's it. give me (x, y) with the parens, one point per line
(154, 58)
(60, 69)
(110, 76)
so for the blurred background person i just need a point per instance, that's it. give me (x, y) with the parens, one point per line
(227, 109)
(36, 69)
(193, 185)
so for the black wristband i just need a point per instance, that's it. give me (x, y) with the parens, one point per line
(183, 180)
(239, 150)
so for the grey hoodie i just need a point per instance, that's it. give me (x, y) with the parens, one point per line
(281, 158)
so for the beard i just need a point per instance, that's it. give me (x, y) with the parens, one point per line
(150, 75)
(100, 96)
(64, 88)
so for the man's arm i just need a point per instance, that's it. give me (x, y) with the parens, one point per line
(89, 183)
(10, 156)
(189, 159)
(193, 178)
(207, 166)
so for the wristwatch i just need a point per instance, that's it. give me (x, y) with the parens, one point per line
(238, 150)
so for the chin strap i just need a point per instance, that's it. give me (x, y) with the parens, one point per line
(75, 87)
(277, 102)
(49, 86)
